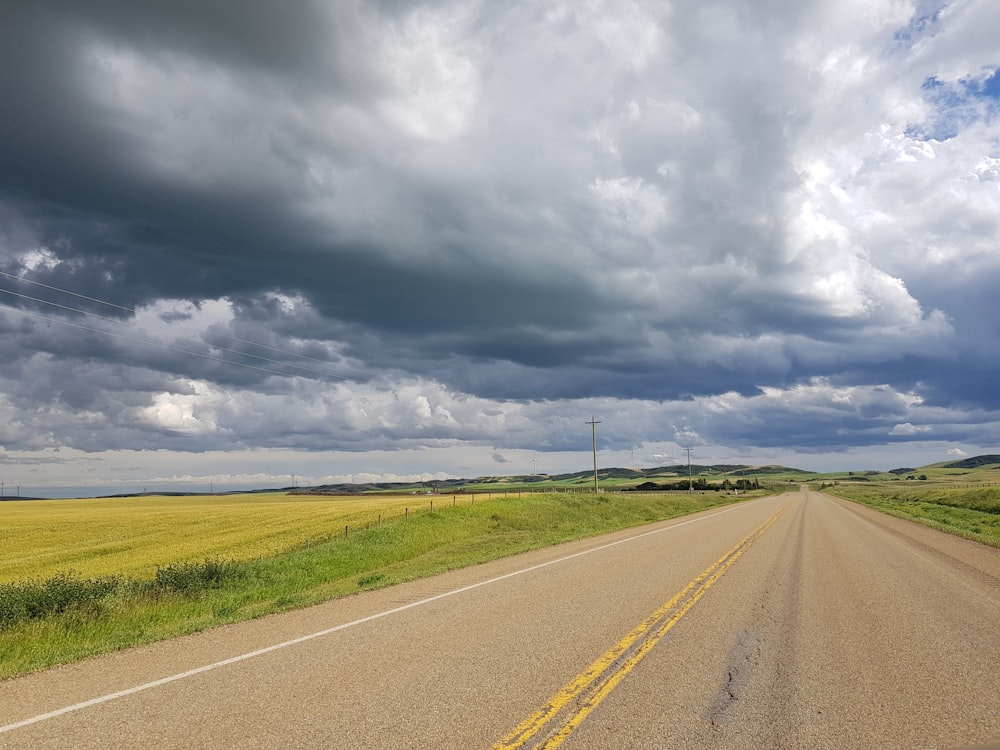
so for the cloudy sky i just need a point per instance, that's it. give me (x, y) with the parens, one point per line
(349, 240)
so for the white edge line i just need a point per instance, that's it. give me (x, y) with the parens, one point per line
(343, 626)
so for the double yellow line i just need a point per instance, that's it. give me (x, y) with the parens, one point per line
(566, 710)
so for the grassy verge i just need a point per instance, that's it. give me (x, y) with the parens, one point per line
(972, 513)
(44, 622)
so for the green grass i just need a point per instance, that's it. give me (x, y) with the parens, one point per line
(133, 536)
(970, 512)
(778, 482)
(68, 615)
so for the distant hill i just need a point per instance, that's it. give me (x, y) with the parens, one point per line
(677, 471)
(773, 470)
(973, 463)
(733, 473)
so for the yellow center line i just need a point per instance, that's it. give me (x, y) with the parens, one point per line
(593, 685)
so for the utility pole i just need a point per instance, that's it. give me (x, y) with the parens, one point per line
(593, 430)
(690, 481)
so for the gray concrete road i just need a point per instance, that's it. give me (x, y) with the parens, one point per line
(799, 621)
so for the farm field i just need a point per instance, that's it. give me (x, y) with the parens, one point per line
(105, 574)
(134, 535)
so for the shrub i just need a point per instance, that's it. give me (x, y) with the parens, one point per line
(32, 600)
(69, 592)
(190, 578)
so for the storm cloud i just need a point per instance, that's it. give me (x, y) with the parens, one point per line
(352, 230)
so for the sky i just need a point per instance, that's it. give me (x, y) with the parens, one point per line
(346, 240)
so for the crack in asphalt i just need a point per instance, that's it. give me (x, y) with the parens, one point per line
(738, 669)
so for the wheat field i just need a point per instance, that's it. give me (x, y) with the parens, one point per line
(132, 536)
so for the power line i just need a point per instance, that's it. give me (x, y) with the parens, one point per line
(275, 349)
(265, 346)
(152, 343)
(134, 311)
(157, 344)
(61, 307)
(66, 291)
(88, 313)
(168, 347)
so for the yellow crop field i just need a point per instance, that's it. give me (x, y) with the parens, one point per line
(132, 536)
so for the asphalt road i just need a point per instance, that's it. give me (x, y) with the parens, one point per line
(798, 621)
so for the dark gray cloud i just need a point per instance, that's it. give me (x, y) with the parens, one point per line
(374, 226)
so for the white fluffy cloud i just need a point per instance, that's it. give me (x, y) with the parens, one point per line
(374, 227)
